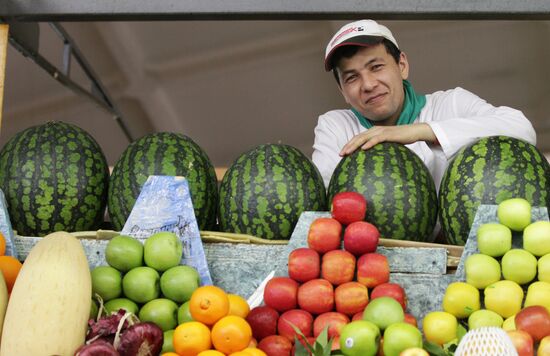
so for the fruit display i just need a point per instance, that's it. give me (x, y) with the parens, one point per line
(501, 288)
(490, 171)
(55, 178)
(266, 189)
(399, 189)
(323, 304)
(163, 153)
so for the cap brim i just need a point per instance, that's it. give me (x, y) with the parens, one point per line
(362, 41)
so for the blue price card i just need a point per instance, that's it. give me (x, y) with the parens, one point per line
(5, 226)
(164, 204)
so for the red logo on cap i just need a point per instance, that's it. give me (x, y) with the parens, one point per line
(349, 30)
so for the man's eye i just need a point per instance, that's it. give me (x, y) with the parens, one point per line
(376, 67)
(350, 78)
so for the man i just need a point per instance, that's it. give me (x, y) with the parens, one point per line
(371, 73)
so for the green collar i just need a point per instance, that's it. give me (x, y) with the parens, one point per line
(411, 108)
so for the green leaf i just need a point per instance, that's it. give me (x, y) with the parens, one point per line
(297, 342)
(433, 349)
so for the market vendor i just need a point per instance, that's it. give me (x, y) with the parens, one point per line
(371, 72)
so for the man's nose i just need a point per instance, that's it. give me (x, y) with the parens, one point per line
(368, 82)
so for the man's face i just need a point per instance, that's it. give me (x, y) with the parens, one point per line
(372, 83)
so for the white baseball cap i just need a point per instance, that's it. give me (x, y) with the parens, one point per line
(358, 33)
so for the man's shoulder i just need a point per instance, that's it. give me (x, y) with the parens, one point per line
(338, 115)
(450, 96)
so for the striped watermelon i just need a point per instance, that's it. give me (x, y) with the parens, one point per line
(487, 172)
(400, 192)
(55, 177)
(169, 154)
(266, 189)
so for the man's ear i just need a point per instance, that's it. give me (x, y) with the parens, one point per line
(403, 65)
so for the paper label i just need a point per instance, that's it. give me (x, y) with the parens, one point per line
(164, 204)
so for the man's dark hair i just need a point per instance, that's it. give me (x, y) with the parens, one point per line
(351, 50)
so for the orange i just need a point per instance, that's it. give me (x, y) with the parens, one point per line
(10, 267)
(249, 351)
(238, 305)
(231, 334)
(2, 244)
(208, 304)
(211, 353)
(191, 338)
(169, 354)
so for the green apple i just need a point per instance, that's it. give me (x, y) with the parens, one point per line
(179, 282)
(399, 337)
(484, 317)
(504, 298)
(360, 338)
(494, 239)
(461, 299)
(536, 238)
(124, 253)
(538, 293)
(116, 304)
(481, 270)
(184, 315)
(106, 281)
(93, 310)
(519, 265)
(141, 284)
(543, 268)
(384, 311)
(168, 342)
(509, 323)
(162, 251)
(162, 312)
(514, 213)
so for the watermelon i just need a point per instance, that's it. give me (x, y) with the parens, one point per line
(399, 189)
(487, 172)
(163, 153)
(55, 177)
(266, 189)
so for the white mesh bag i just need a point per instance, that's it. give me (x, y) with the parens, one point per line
(486, 341)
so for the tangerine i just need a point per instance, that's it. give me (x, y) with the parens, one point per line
(231, 334)
(208, 304)
(249, 351)
(238, 306)
(211, 353)
(10, 267)
(2, 244)
(191, 338)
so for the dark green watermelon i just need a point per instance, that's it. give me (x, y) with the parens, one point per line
(399, 189)
(168, 154)
(55, 178)
(266, 189)
(487, 172)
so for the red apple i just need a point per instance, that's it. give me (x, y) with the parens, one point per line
(316, 296)
(281, 293)
(523, 342)
(535, 320)
(348, 207)
(351, 298)
(338, 267)
(392, 290)
(409, 318)
(335, 322)
(304, 264)
(324, 235)
(544, 347)
(373, 269)
(263, 321)
(275, 345)
(297, 317)
(357, 316)
(361, 237)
